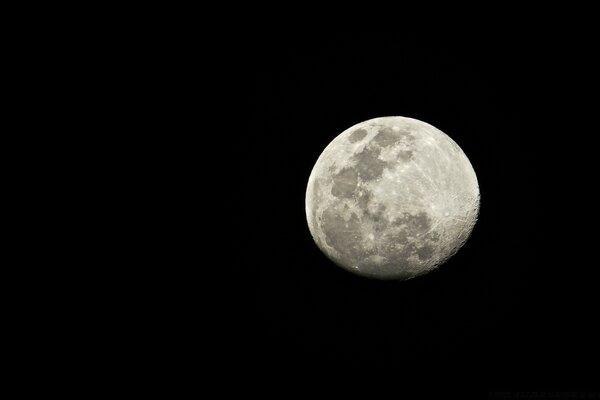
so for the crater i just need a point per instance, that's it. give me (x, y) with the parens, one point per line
(344, 183)
(357, 135)
(433, 236)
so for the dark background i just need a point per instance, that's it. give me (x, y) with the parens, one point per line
(514, 309)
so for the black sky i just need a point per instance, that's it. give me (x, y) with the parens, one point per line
(513, 309)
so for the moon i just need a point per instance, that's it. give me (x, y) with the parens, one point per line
(391, 198)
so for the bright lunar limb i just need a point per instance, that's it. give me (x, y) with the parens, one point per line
(391, 198)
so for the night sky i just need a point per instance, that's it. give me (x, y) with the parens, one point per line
(512, 310)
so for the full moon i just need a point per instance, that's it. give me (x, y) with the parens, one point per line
(391, 198)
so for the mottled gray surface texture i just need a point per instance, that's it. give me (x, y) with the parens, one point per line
(391, 198)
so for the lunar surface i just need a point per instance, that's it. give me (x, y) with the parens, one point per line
(391, 198)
